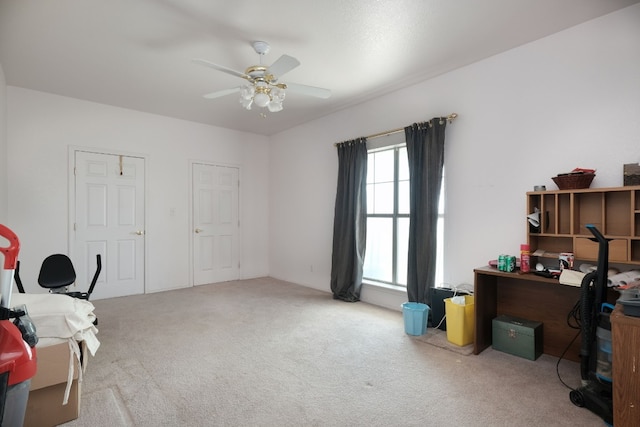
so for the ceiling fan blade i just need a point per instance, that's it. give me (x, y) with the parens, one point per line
(283, 65)
(220, 68)
(221, 93)
(318, 92)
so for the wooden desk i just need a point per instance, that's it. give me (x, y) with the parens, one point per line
(530, 297)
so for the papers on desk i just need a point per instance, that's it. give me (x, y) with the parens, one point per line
(571, 277)
(574, 278)
(624, 278)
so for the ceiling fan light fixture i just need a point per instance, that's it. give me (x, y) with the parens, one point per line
(261, 96)
(246, 103)
(277, 97)
(261, 99)
(274, 106)
(277, 94)
(246, 96)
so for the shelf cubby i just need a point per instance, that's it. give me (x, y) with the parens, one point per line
(533, 202)
(564, 213)
(635, 251)
(548, 215)
(551, 245)
(617, 213)
(588, 209)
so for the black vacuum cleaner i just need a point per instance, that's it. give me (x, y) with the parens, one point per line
(595, 394)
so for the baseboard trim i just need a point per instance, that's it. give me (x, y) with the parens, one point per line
(383, 296)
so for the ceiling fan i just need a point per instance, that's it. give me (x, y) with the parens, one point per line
(263, 88)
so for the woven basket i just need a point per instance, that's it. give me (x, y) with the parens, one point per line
(574, 181)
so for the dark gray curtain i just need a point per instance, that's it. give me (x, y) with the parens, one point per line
(425, 150)
(350, 221)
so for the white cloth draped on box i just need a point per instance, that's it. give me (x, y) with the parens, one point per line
(60, 318)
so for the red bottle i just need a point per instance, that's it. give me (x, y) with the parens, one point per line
(525, 259)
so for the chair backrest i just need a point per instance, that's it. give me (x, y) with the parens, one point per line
(56, 271)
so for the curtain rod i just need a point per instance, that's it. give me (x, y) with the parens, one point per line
(450, 118)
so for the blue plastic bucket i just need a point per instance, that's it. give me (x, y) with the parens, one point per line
(415, 316)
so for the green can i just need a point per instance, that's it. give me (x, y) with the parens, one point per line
(502, 263)
(510, 263)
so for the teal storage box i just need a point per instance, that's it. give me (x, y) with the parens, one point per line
(516, 336)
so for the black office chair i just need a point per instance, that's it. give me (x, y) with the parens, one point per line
(57, 273)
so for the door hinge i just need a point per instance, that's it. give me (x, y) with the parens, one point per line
(74, 226)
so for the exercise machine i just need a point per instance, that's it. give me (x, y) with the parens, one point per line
(18, 360)
(595, 393)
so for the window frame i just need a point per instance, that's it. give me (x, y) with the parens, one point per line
(396, 142)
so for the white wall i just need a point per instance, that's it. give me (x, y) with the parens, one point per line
(568, 100)
(3, 149)
(42, 127)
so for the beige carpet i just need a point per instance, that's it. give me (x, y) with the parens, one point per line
(439, 339)
(264, 352)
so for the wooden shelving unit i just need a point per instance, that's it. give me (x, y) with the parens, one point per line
(564, 215)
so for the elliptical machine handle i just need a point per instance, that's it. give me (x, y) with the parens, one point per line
(11, 251)
(598, 235)
(10, 258)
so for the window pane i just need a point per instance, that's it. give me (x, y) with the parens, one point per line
(383, 198)
(371, 166)
(440, 253)
(403, 250)
(403, 164)
(379, 251)
(441, 200)
(371, 197)
(403, 197)
(384, 164)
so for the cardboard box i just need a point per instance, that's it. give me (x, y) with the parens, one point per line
(45, 408)
(516, 336)
(45, 405)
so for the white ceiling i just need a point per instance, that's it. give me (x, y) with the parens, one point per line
(137, 53)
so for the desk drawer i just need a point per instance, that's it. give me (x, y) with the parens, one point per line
(588, 249)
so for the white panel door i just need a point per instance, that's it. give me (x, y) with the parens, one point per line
(109, 220)
(215, 224)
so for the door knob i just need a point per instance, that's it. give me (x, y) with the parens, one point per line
(199, 230)
(139, 232)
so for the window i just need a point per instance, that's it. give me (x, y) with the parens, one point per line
(388, 218)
